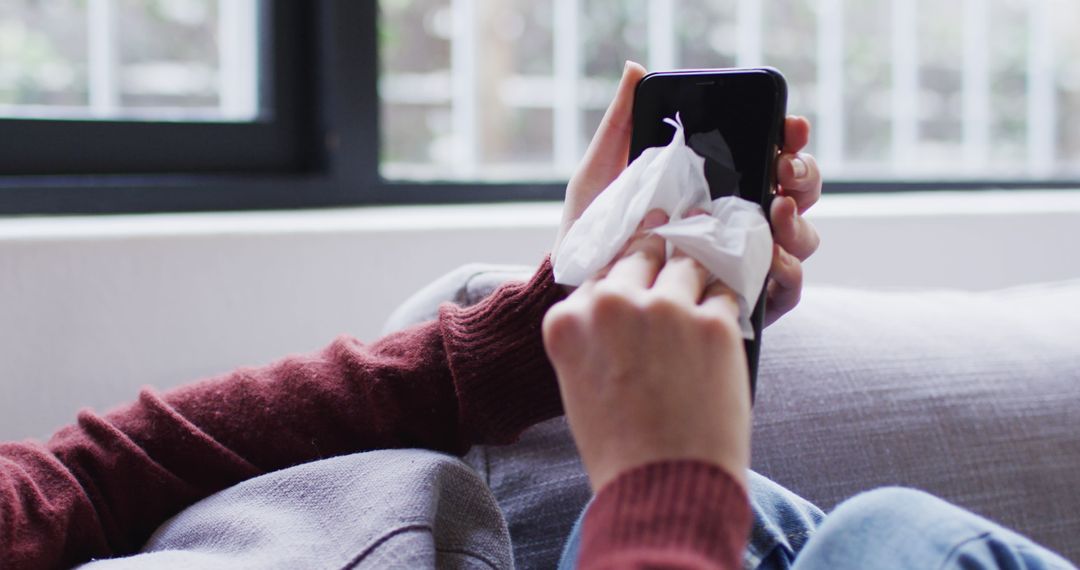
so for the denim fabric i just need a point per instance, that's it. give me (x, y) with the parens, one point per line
(568, 560)
(783, 522)
(885, 529)
(895, 528)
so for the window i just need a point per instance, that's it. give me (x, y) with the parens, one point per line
(898, 90)
(124, 87)
(158, 60)
(185, 105)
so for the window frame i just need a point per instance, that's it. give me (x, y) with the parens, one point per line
(324, 68)
(86, 146)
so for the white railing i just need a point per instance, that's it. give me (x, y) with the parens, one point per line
(1041, 107)
(976, 85)
(569, 95)
(238, 57)
(103, 84)
(830, 128)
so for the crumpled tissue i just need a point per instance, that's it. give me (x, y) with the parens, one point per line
(733, 241)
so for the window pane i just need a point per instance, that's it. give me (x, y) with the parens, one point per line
(182, 60)
(865, 92)
(414, 41)
(440, 123)
(896, 89)
(1067, 74)
(43, 54)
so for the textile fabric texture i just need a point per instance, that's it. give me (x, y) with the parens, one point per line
(101, 487)
(380, 509)
(971, 397)
(894, 528)
(783, 522)
(968, 396)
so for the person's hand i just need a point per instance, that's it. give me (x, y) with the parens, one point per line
(794, 238)
(650, 364)
(799, 189)
(607, 154)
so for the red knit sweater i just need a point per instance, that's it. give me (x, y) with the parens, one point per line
(476, 375)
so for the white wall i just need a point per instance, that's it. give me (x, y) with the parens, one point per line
(92, 308)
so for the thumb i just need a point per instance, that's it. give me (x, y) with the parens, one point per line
(610, 147)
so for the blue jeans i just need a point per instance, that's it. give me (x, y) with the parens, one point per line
(783, 522)
(884, 529)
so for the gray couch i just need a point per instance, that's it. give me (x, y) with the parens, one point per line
(974, 397)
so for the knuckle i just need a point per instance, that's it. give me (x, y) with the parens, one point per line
(663, 307)
(779, 261)
(789, 283)
(785, 232)
(794, 298)
(796, 272)
(815, 235)
(611, 305)
(605, 287)
(685, 263)
(607, 291)
(784, 297)
(562, 333)
(650, 255)
(719, 288)
(815, 177)
(560, 322)
(719, 329)
(810, 239)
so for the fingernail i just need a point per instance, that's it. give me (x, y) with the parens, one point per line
(654, 219)
(794, 208)
(626, 67)
(798, 167)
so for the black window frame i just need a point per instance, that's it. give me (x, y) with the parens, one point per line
(324, 88)
(61, 147)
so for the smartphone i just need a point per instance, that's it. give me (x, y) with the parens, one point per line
(746, 108)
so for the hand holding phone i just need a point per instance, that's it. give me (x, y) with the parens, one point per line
(735, 119)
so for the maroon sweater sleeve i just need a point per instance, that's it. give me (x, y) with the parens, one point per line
(671, 514)
(100, 487)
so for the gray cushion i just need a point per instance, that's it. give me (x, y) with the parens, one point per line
(970, 396)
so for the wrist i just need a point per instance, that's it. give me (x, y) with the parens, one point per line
(503, 377)
(668, 509)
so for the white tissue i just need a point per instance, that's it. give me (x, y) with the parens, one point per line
(733, 242)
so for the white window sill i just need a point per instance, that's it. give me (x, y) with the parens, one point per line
(504, 216)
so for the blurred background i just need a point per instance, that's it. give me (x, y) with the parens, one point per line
(150, 233)
(895, 88)
(512, 89)
(129, 59)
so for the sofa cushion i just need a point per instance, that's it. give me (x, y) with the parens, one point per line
(970, 396)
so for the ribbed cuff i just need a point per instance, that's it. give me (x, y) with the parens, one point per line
(503, 378)
(667, 513)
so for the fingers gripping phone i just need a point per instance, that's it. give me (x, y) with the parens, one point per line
(746, 107)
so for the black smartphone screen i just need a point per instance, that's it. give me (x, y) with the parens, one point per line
(732, 117)
(745, 107)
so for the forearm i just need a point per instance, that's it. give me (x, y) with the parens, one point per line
(100, 487)
(476, 375)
